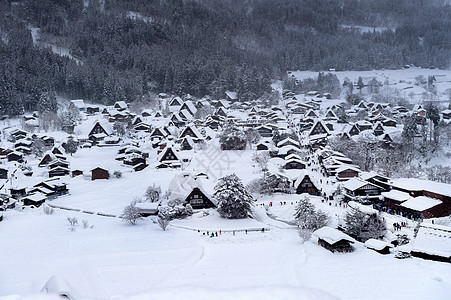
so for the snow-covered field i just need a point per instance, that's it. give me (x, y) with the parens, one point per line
(115, 259)
(402, 80)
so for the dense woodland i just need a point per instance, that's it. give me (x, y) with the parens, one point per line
(204, 47)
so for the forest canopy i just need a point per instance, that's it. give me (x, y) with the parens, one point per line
(129, 48)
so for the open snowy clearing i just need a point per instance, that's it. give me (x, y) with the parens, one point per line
(115, 259)
(402, 80)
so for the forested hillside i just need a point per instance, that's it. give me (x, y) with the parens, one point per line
(129, 48)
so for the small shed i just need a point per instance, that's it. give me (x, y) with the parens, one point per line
(148, 208)
(334, 240)
(35, 199)
(99, 173)
(378, 246)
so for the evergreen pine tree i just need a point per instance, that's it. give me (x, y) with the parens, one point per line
(308, 218)
(234, 201)
(410, 129)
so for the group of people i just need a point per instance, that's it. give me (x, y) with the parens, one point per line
(212, 234)
(398, 226)
(215, 233)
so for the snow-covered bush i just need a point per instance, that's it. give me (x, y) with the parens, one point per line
(305, 234)
(269, 185)
(402, 255)
(363, 226)
(48, 210)
(163, 223)
(234, 201)
(117, 174)
(177, 211)
(308, 218)
(72, 221)
(131, 214)
(86, 224)
(402, 239)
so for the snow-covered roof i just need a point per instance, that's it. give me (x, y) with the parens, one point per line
(396, 195)
(148, 205)
(58, 285)
(78, 103)
(121, 104)
(184, 183)
(376, 244)
(345, 167)
(355, 183)
(415, 184)
(420, 203)
(433, 241)
(36, 197)
(232, 95)
(371, 174)
(332, 235)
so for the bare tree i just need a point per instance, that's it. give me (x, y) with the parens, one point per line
(261, 158)
(163, 223)
(131, 214)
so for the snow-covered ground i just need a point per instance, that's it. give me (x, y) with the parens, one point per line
(115, 259)
(402, 80)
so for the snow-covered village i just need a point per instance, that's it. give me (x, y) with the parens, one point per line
(288, 149)
(202, 192)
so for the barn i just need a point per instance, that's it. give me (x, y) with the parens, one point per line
(334, 240)
(99, 173)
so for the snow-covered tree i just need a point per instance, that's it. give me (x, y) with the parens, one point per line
(252, 136)
(363, 226)
(261, 159)
(308, 218)
(153, 193)
(410, 129)
(232, 139)
(38, 147)
(234, 201)
(130, 214)
(47, 102)
(71, 146)
(119, 127)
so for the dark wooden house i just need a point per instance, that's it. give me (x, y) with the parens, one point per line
(318, 128)
(304, 184)
(356, 187)
(199, 200)
(3, 173)
(346, 172)
(35, 199)
(99, 173)
(58, 171)
(334, 240)
(294, 163)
